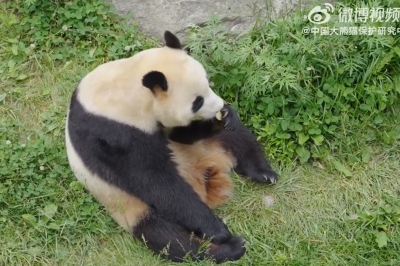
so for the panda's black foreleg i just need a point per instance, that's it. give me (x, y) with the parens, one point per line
(243, 144)
(173, 242)
(196, 131)
(204, 129)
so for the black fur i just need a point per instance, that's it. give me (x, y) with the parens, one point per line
(153, 79)
(155, 227)
(140, 164)
(197, 130)
(171, 40)
(203, 129)
(197, 104)
(237, 139)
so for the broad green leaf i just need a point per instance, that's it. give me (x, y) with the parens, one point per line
(11, 63)
(365, 156)
(284, 124)
(50, 210)
(76, 185)
(54, 226)
(14, 49)
(303, 154)
(341, 168)
(21, 77)
(29, 218)
(303, 138)
(305, 157)
(270, 109)
(318, 139)
(381, 239)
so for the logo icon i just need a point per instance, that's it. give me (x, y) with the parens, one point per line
(317, 14)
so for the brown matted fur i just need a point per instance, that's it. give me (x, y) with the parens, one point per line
(205, 166)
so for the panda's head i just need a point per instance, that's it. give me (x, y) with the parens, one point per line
(179, 85)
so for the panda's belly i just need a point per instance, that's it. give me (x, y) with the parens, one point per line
(125, 209)
(206, 166)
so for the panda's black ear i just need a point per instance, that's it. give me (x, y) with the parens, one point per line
(171, 40)
(155, 80)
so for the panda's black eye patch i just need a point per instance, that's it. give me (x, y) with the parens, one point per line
(197, 104)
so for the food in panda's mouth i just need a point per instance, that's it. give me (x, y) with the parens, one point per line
(218, 116)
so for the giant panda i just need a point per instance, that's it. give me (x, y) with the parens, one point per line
(144, 137)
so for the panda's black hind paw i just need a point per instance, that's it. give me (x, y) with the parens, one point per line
(271, 177)
(268, 176)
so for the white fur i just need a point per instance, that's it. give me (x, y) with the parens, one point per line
(115, 90)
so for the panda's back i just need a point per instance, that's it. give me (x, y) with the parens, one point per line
(100, 141)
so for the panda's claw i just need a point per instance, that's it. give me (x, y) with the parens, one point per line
(270, 178)
(229, 118)
(267, 176)
(227, 127)
(224, 112)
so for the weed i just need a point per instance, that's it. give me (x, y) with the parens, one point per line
(379, 223)
(63, 30)
(299, 92)
(38, 196)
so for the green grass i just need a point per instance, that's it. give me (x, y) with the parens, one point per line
(309, 223)
(320, 216)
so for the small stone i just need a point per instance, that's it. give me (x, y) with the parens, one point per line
(353, 217)
(268, 201)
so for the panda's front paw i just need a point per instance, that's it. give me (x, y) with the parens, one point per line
(230, 119)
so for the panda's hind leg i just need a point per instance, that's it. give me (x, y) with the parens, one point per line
(241, 143)
(173, 242)
(250, 160)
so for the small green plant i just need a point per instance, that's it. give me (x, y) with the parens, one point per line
(62, 30)
(379, 223)
(37, 191)
(299, 91)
